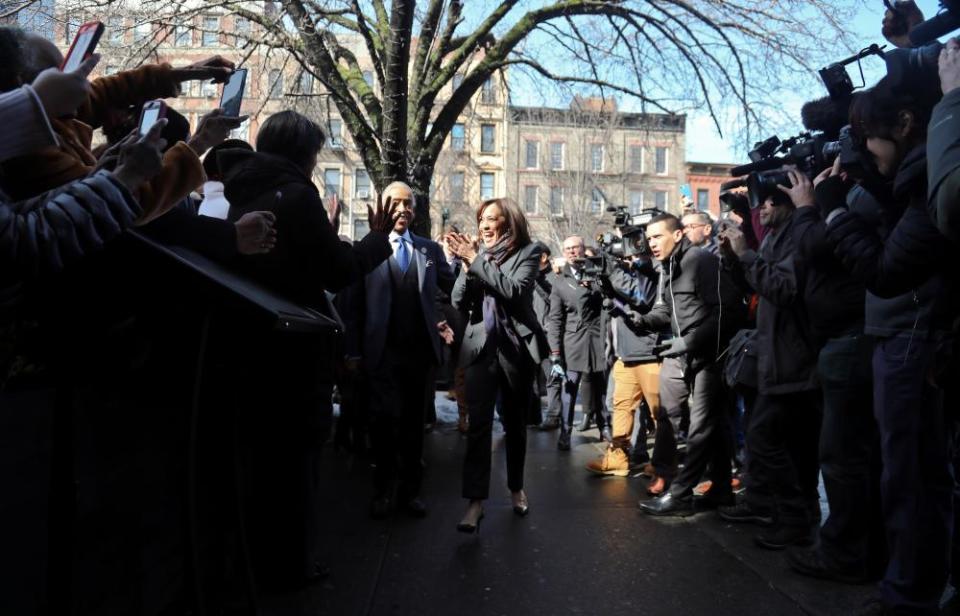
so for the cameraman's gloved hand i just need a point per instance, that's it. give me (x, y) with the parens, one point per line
(557, 373)
(675, 347)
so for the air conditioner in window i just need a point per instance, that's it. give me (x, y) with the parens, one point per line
(363, 194)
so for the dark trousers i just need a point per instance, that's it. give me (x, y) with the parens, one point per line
(398, 393)
(492, 378)
(916, 485)
(709, 440)
(852, 538)
(554, 390)
(782, 438)
(593, 387)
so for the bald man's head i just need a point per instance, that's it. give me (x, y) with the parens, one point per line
(401, 196)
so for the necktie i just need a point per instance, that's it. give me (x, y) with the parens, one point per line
(403, 254)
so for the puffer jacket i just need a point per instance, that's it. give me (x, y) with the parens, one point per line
(913, 261)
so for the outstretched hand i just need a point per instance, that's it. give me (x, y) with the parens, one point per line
(381, 219)
(61, 94)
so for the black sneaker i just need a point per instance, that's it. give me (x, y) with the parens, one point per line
(811, 563)
(563, 443)
(742, 512)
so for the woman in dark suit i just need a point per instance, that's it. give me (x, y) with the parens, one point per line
(501, 346)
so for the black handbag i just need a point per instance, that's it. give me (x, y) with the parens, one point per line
(740, 368)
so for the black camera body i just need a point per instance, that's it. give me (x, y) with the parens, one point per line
(633, 238)
(808, 152)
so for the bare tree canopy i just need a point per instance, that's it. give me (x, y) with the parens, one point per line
(430, 59)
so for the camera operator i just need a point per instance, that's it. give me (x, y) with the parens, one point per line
(702, 308)
(636, 373)
(576, 335)
(910, 267)
(783, 429)
(851, 546)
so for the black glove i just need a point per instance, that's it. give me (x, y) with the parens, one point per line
(675, 347)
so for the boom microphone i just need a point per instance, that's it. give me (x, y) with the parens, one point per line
(825, 115)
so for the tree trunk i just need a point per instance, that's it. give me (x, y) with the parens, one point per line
(395, 89)
(420, 183)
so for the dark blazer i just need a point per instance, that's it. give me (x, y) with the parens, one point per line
(575, 326)
(433, 273)
(512, 284)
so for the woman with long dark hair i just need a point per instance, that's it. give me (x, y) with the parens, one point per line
(501, 346)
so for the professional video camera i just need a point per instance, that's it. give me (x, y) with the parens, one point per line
(810, 153)
(632, 240)
(945, 22)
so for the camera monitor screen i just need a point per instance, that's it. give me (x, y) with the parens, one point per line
(233, 93)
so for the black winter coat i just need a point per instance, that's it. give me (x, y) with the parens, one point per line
(576, 324)
(309, 257)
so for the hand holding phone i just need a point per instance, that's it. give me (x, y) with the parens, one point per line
(152, 112)
(83, 45)
(62, 93)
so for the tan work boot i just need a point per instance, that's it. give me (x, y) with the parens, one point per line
(614, 462)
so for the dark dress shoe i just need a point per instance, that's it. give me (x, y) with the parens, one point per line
(668, 505)
(563, 443)
(416, 507)
(781, 537)
(548, 425)
(811, 563)
(380, 508)
(606, 435)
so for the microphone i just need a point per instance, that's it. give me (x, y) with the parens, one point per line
(935, 27)
(825, 115)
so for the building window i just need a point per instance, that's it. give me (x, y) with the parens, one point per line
(661, 165)
(596, 201)
(530, 199)
(636, 159)
(110, 70)
(532, 154)
(275, 80)
(635, 201)
(360, 228)
(305, 83)
(488, 94)
(183, 36)
(242, 131)
(660, 200)
(331, 182)
(211, 31)
(208, 89)
(556, 155)
(368, 78)
(703, 199)
(486, 186)
(488, 141)
(241, 27)
(142, 32)
(556, 200)
(596, 157)
(336, 133)
(456, 186)
(457, 81)
(68, 28)
(458, 137)
(361, 184)
(115, 25)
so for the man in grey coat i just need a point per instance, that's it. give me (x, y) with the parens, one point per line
(400, 346)
(575, 333)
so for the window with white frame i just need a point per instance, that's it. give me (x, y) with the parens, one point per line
(660, 200)
(662, 160)
(361, 227)
(486, 185)
(458, 137)
(305, 83)
(142, 32)
(556, 200)
(530, 196)
(361, 184)
(488, 93)
(335, 128)
(331, 182)
(183, 36)
(703, 199)
(211, 31)
(115, 27)
(556, 155)
(488, 138)
(456, 186)
(532, 154)
(596, 157)
(241, 27)
(596, 201)
(636, 159)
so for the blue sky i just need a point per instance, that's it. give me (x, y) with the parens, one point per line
(703, 142)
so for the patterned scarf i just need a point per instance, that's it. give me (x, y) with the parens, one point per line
(495, 320)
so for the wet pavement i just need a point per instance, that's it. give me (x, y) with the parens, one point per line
(584, 549)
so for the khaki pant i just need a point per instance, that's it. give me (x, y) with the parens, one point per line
(631, 384)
